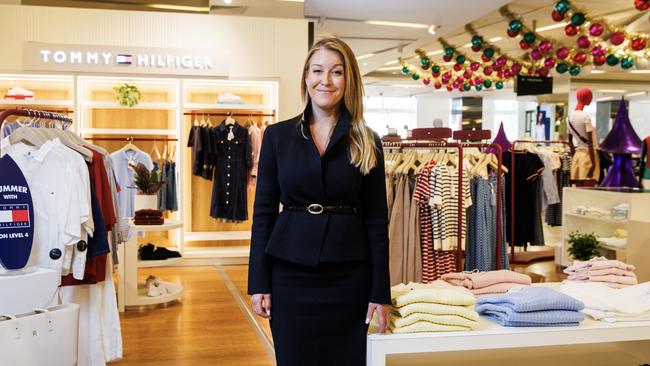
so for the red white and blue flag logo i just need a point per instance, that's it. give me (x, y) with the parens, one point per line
(123, 59)
(12, 216)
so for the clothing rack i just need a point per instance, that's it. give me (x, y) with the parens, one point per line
(48, 116)
(226, 114)
(439, 135)
(532, 256)
(130, 139)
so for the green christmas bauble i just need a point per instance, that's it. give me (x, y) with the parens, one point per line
(488, 52)
(515, 25)
(574, 70)
(578, 19)
(449, 51)
(499, 84)
(562, 6)
(627, 63)
(460, 59)
(435, 69)
(562, 68)
(612, 60)
(415, 76)
(487, 83)
(529, 37)
(466, 87)
(477, 41)
(425, 61)
(478, 87)
(405, 70)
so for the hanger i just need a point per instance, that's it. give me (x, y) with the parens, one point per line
(155, 153)
(196, 120)
(172, 153)
(229, 120)
(129, 145)
(164, 154)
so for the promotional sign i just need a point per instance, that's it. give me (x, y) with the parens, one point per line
(129, 60)
(533, 85)
(16, 216)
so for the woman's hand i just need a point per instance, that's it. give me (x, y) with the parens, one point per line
(262, 305)
(383, 317)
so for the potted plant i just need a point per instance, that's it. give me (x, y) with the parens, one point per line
(127, 95)
(148, 184)
(583, 246)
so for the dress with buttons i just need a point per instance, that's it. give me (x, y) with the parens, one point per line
(232, 160)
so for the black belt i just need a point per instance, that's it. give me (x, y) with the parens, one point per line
(317, 209)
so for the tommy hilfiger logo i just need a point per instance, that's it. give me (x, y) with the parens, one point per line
(13, 216)
(138, 60)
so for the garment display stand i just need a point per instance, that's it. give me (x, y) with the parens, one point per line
(533, 256)
(131, 292)
(437, 138)
(492, 336)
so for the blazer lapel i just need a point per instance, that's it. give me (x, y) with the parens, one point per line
(342, 127)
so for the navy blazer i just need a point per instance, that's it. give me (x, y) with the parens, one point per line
(292, 172)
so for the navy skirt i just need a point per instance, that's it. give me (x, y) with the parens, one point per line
(318, 313)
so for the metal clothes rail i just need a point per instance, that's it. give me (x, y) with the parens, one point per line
(43, 116)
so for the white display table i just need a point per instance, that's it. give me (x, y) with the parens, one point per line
(22, 293)
(492, 336)
(130, 291)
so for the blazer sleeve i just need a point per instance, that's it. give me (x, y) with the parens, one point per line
(265, 212)
(375, 217)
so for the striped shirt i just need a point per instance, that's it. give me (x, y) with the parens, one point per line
(443, 183)
(421, 195)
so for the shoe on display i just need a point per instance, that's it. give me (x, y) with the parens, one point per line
(150, 252)
(19, 93)
(156, 287)
(229, 98)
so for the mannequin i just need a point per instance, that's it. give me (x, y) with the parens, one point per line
(585, 161)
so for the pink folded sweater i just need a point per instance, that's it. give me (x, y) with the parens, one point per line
(623, 280)
(598, 264)
(481, 280)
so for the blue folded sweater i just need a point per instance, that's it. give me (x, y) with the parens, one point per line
(508, 317)
(536, 298)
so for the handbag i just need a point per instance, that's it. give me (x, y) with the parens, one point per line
(43, 337)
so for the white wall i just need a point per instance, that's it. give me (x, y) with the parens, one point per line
(639, 112)
(260, 48)
(432, 106)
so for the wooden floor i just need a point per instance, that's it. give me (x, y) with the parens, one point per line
(207, 328)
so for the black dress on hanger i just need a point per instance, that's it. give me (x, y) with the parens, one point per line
(232, 160)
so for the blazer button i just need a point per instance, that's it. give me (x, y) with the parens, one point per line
(55, 253)
(82, 245)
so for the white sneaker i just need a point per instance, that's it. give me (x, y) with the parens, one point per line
(154, 287)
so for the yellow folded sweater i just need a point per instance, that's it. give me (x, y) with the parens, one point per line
(466, 312)
(459, 296)
(423, 326)
(451, 320)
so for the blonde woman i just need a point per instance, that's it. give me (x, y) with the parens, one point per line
(319, 269)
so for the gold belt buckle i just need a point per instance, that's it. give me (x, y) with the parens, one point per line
(315, 209)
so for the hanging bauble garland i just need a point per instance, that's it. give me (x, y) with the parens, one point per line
(598, 33)
(642, 5)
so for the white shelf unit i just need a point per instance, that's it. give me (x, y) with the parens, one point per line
(637, 250)
(116, 105)
(201, 95)
(130, 291)
(128, 131)
(35, 103)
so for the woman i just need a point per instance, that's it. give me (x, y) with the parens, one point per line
(323, 261)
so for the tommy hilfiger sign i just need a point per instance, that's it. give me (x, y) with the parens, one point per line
(84, 58)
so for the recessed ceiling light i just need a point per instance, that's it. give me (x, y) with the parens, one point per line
(368, 55)
(596, 71)
(551, 27)
(406, 86)
(640, 71)
(496, 39)
(605, 99)
(179, 7)
(397, 24)
(635, 94)
(432, 30)
(432, 53)
(620, 91)
(389, 68)
(391, 62)
(365, 64)
(227, 1)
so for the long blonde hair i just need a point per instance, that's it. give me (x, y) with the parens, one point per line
(362, 148)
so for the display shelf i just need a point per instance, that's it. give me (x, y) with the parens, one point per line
(607, 220)
(37, 103)
(127, 131)
(143, 300)
(217, 235)
(159, 263)
(116, 105)
(228, 107)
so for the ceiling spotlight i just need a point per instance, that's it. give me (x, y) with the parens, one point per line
(227, 1)
(432, 30)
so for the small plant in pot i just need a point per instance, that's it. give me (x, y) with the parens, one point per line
(148, 183)
(583, 246)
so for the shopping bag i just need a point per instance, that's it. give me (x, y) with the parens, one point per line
(43, 337)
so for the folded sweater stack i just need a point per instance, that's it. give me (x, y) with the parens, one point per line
(149, 217)
(532, 307)
(611, 305)
(612, 273)
(433, 307)
(486, 283)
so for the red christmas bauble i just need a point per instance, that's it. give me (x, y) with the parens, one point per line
(638, 43)
(562, 53)
(558, 17)
(512, 34)
(531, 71)
(476, 48)
(571, 30)
(474, 66)
(435, 74)
(543, 71)
(487, 70)
(437, 85)
(516, 68)
(467, 74)
(599, 60)
(580, 58)
(458, 67)
(426, 81)
(523, 45)
(617, 38)
(642, 5)
(471, 82)
(460, 79)
(447, 58)
(449, 88)
(584, 42)
(485, 58)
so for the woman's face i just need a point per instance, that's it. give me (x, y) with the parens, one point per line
(325, 79)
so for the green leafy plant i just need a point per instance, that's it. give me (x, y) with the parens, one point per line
(583, 246)
(147, 182)
(127, 95)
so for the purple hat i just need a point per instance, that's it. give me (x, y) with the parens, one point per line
(622, 139)
(502, 140)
